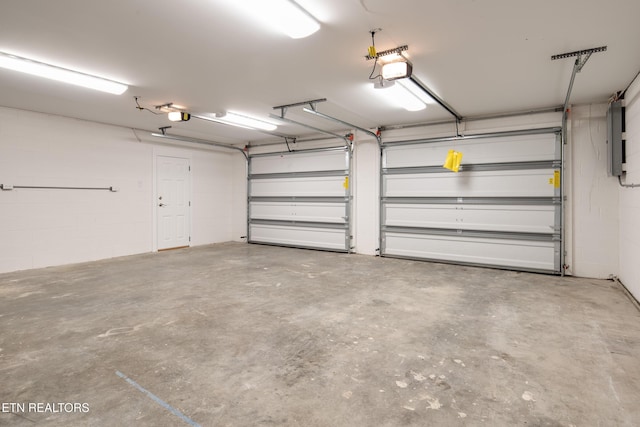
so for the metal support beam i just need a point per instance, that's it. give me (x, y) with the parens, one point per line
(576, 70)
(577, 67)
(199, 141)
(293, 122)
(582, 58)
(312, 110)
(436, 98)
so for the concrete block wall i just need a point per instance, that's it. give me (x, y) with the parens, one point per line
(630, 197)
(40, 227)
(593, 196)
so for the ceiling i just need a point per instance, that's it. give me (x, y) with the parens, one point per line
(480, 56)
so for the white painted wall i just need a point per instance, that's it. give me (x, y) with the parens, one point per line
(630, 197)
(593, 196)
(41, 228)
(239, 198)
(50, 227)
(365, 192)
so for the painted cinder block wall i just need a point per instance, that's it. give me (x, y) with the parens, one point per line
(40, 228)
(630, 197)
(594, 215)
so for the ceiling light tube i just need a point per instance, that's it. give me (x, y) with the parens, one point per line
(60, 74)
(241, 120)
(285, 16)
(412, 87)
(400, 96)
(406, 99)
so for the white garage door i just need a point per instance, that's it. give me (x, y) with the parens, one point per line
(301, 199)
(502, 209)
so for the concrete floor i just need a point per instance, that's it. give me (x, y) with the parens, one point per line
(248, 335)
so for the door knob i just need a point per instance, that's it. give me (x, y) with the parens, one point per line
(161, 205)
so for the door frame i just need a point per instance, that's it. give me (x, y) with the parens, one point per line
(181, 154)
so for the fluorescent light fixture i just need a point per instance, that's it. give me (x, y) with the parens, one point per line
(60, 74)
(282, 15)
(179, 116)
(399, 95)
(412, 87)
(396, 70)
(241, 120)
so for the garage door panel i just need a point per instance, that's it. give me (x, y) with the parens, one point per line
(514, 183)
(301, 199)
(322, 238)
(504, 218)
(332, 186)
(307, 212)
(503, 209)
(538, 256)
(299, 162)
(523, 148)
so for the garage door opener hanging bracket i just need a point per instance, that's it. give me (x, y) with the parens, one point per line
(582, 58)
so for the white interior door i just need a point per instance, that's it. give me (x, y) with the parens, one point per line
(172, 203)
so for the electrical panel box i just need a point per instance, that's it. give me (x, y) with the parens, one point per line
(615, 141)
